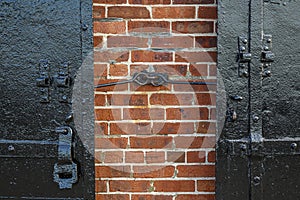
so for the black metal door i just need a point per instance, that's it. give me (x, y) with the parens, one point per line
(43, 46)
(264, 161)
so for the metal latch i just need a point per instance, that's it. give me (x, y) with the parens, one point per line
(267, 56)
(244, 56)
(65, 170)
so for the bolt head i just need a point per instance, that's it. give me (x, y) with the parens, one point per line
(255, 118)
(294, 146)
(243, 48)
(266, 48)
(245, 41)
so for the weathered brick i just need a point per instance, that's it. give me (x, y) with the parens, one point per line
(205, 99)
(206, 12)
(195, 56)
(155, 157)
(129, 186)
(153, 171)
(112, 27)
(151, 56)
(212, 156)
(143, 114)
(193, 1)
(134, 157)
(98, 12)
(100, 70)
(111, 56)
(118, 70)
(196, 171)
(122, 87)
(194, 142)
(206, 185)
(127, 41)
(128, 12)
(195, 88)
(196, 156)
(206, 41)
(101, 129)
(170, 69)
(101, 186)
(151, 197)
(173, 42)
(153, 142)
(206, 127)
(111, 143)
(174, 186)
(114, 171)
(148, 88)
(173, 12)
(100, 99)
(171, 99)
(149, 26)
(195, 197)
(193, 27)
(199, 70)
(98, 41)
(176, 157)
(113, 156)
(212, 70)
(212, 112)
(130, 128)
(107, 114)
(187, 113)
(110, 1)
(173, 128)
(149, 2)
(127, 99)
(112, 197)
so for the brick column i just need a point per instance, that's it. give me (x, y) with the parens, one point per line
(155, 142)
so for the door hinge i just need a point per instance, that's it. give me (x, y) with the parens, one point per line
(65, 170)
(44, 81)
(267, 56)
(244, 56)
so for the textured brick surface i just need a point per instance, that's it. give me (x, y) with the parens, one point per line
(155, 142)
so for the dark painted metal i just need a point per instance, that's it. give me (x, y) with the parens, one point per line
(43, 45)
(271, 144)
(154, 79)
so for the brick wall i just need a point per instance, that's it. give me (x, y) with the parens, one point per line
(155, 142)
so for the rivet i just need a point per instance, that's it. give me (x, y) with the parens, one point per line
(269, 40)
(256, 180)
(245, 41)
(267, 73)
(11, 148)
(85, 27)
(266, 48)
(243, 147)
(243, 48)
(64, 97)
(255, 118)
(294, 146)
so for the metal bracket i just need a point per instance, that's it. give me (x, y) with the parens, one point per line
(65, 170)
(44, 81)
(267, 56)
(63, 81)
(243, 56)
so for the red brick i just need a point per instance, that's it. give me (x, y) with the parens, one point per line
(130, 128)
(100, 99)
(151, 142)
(143, 114)
(129, 186)
(174, 186)
(187, 113)
(149, 2)
(155, 157)
(112, 27)
(170, 69)
(98, 12)
(151, 197)
(100, 70)
(193, 27)
(205, 99)
(127, 99)
(113, 156)
(212, 156)
(112, 196)
(195, 197)
(98, 41)
(206, 41)
(193, 1)
(206, 127)
(101, 129)
(212, 112)
(151, 56)
(148, 26)
(172, 42)
(196, 156)
(206, 185)
(196, 171)
(111, 172)
(148, 88)
(195, 88)
(127, 12)
(127, 41)
(212, 70)
(108, 114)
(196, 56)
(171, 99)
(176, 157)
(118, 70)
(110, 1)
(101, 186)
(134, 157)
(173, 128)
(194, 142)
(109, 56)
(152, 171)
(207, 12)
(199, 70)
(173, 12)
(111, 143)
